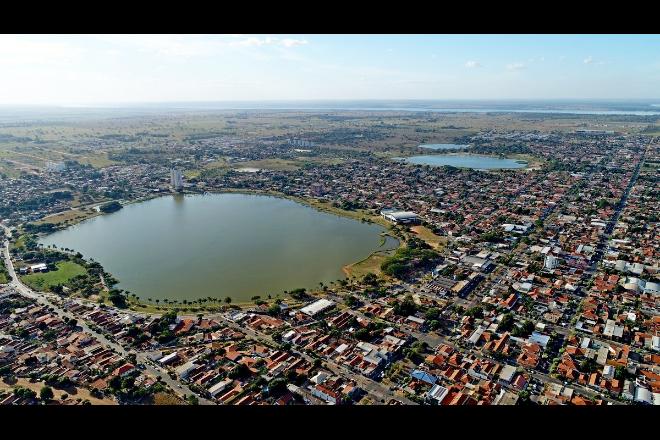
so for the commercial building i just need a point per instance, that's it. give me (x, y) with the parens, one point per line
(317, 307)
(400, 217)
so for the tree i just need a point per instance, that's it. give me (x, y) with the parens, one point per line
(228, 300)
(432, 313)
(370, 279)
(476, 312)
(506, 324)
(524, 330)
(46, 393)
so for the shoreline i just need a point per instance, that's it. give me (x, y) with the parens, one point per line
(319, 206)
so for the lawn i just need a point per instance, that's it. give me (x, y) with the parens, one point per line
(65, 271)
(370, 264)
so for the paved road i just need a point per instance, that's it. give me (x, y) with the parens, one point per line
(376, 389)
(179, 387)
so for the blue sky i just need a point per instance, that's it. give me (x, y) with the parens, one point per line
(97, 69)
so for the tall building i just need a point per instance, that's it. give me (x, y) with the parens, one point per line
(551, 262)
(176, 179)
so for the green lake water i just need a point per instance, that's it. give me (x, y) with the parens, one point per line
(219, 245)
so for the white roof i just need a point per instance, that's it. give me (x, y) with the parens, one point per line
(438, 392)
(219, 387)
(317, 306)
(402, 215)
(507, 373)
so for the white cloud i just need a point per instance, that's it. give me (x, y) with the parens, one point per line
(516, 66)
(292, 42)
(22, 50)
(591, 60)
(472, 64)
(197, 45)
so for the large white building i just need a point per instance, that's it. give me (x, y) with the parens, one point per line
(396, 216)
(176, 179)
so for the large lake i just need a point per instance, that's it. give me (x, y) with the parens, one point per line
(465, 161)
(219, 245)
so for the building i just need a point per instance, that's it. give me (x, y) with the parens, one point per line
(176, 179)
(551, 262)
(400, 217)
(317, 307)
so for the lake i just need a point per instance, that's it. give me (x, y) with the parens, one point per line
(473, 161)
(443, 146)
(219, 245)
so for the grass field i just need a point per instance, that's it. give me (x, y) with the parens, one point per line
(424, 233)
(99, 160)
(370, 264)
(65, 271)
(70, 216)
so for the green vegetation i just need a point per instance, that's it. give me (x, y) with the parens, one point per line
(46, 393)
(110, 207)
(65, 271)
(524, 330)
(506, 324)
(4, 274)
(416, 255)
(406, 307)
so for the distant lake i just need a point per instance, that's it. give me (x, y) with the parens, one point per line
(465, 161)
(443, 146)
(219, 245)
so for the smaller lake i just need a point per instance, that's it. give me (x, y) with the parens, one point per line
(443, 146)
(465, 161)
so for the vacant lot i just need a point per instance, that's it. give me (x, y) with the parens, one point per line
(425, 234)
(72, 392)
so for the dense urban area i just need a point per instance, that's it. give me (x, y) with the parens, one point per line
(529, 286)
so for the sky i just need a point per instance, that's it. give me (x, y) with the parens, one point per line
(111, 69)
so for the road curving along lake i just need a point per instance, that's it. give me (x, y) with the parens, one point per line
(219, 245)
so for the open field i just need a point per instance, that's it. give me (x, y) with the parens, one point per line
(425, 234)
(71, 216)
(65, 271)
(370, 264)
(72, 392)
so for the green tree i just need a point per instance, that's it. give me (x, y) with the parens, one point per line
(46, 393)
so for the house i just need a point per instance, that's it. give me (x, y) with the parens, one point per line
(219, 387)
(424, 377)
(507, 373)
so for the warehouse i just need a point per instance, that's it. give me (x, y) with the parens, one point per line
(317, 307)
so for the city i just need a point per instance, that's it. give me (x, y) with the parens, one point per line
(433, 253)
